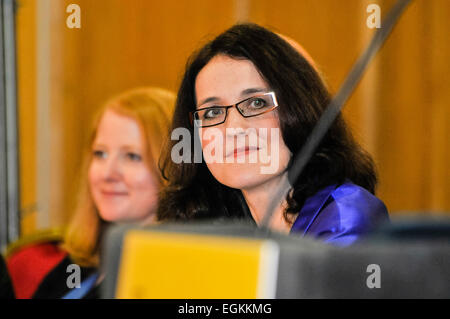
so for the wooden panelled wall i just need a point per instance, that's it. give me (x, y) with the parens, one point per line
(400, 111)
(26, 91)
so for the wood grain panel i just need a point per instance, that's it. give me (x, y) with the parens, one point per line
(26, 93)
(121, 45)
(399, 111)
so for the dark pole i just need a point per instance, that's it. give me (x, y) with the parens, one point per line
(335, 106)
(9, 150)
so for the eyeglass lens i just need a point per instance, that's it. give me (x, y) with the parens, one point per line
(249, 107)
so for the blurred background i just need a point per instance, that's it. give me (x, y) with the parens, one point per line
(399, 112)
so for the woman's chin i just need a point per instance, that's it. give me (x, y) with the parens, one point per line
(241, 178)
(111, 217)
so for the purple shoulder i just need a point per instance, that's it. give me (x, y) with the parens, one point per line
(344, 215)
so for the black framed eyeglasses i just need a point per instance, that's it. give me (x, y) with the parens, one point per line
(252, 106)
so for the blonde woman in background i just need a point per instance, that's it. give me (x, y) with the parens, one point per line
(120, 182)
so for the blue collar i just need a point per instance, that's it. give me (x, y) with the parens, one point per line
(313, 205)
(86, 286)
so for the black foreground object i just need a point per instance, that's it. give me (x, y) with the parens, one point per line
(406, 259)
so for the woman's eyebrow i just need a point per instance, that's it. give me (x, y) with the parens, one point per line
(97, 145)
(254, 90)
(244, 93)
(130, 148)
(209, 99)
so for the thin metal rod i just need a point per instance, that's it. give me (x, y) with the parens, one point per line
(335, 106)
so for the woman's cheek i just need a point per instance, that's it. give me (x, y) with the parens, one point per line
(140, 178)
(93, 175)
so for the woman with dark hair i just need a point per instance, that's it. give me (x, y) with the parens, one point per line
(251, 85)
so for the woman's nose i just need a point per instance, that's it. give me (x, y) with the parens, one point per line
(111, 171)
(235, 120)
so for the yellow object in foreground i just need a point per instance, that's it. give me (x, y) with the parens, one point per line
(179, 266)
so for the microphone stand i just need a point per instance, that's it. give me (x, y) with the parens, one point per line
(333, 109)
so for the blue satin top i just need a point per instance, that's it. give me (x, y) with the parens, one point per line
(340, 215)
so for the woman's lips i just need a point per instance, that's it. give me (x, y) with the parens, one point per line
(242, 151)
(113, 193)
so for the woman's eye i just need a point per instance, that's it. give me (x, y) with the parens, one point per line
(212, 113)
(134, 157)
(99, 154)
(257, 103)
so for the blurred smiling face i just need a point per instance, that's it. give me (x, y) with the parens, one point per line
(122, 186)
(249, 151)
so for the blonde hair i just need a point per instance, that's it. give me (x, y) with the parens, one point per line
(152, 108)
